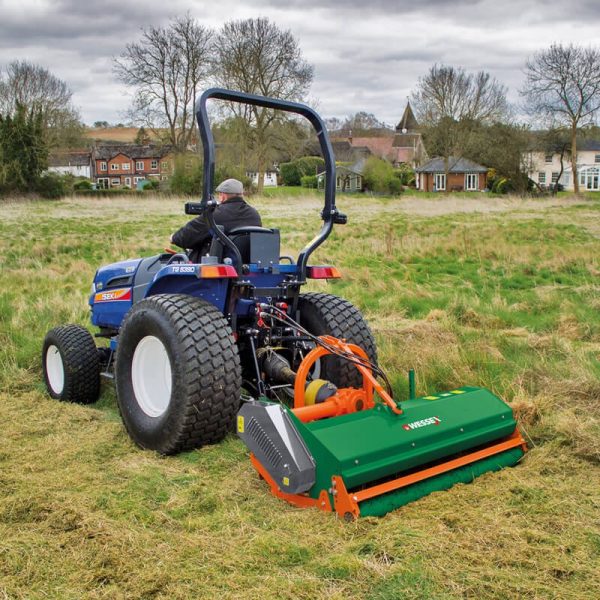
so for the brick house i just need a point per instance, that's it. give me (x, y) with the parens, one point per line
(463, 175)
(126, 166)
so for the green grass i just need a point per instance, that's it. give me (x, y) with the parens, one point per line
(490, 292)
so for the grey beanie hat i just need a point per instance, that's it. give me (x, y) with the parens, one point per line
(231, 186)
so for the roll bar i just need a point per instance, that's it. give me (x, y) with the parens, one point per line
(207, 205)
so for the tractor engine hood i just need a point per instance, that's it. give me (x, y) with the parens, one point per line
(119, 274)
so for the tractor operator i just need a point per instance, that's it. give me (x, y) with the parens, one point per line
(232, 212)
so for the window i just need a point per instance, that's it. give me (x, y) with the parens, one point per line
(154, 164)
(165, 165)
(541, 177)
(128, 181)
(115, 181)
(164, 178)
(103, 183)
(471, 182)
(555, 175)
(139, 165)
(137, 179)
(125, 166)
(597, 158)
(103, 165)
(114, 167)
(440, 182)
(548, 158)
(590, 178)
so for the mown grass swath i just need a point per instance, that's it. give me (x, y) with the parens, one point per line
(481, 291)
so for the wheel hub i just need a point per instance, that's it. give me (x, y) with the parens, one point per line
(55, 369)
(151, 376)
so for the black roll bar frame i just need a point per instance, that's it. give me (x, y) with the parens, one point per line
(207, 205)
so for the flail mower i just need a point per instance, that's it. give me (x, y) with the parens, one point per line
(197, 349)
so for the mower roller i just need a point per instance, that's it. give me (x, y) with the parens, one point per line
(196, 348)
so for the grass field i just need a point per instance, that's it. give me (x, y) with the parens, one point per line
(497, 292)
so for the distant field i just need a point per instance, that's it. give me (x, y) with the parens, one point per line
(123, 135)
(498, 292)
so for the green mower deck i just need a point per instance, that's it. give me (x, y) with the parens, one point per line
(372, 461)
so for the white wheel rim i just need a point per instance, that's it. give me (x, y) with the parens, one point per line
(151, 376)
(55, 370)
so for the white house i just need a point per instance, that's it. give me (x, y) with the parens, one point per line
(78, 164)
(544, 169)
(270, 178)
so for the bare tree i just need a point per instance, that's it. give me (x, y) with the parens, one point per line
(257, 57)
(451, 92)
(563, 87)
(166, 68)
(451, 104)
(37, 89)
(363, 123)
(34, 87)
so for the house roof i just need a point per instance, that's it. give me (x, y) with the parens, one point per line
(344, 169)
(69, 159)
(131, 150)
(456, 165)
(408, 120)
(588, 145)
(345, 151)
(379, 146)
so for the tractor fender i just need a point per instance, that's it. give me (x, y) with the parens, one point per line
(187, 279)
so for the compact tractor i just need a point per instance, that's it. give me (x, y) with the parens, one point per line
(197, 350)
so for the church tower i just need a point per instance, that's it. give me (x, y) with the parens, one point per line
(408, 144)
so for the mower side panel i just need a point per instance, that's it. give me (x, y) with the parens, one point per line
(367, 446)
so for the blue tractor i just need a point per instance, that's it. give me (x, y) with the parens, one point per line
(187, 340)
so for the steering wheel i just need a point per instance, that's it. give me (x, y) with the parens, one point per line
(178, 257)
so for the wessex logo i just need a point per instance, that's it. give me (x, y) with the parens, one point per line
(422, 423)
(112, 295)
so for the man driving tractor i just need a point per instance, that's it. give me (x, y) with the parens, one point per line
(233, 211)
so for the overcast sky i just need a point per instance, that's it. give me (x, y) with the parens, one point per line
(367, 55)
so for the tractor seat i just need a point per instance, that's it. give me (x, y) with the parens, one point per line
(256, 245)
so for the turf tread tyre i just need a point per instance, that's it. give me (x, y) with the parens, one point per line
(206, 373)
(326, 314)
(80, 361)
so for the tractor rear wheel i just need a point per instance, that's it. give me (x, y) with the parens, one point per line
(177, 373)
(325, 314)
(71, 364)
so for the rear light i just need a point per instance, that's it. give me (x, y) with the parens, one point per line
(322, 273)
(217, 271)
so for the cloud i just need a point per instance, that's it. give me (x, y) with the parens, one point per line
(367, 56)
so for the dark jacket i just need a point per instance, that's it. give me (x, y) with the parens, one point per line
(232, 213)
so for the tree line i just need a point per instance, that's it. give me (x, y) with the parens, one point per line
(462, 114)
(468, 114)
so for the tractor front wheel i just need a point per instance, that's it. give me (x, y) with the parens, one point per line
(71, 364)
(177, 374)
